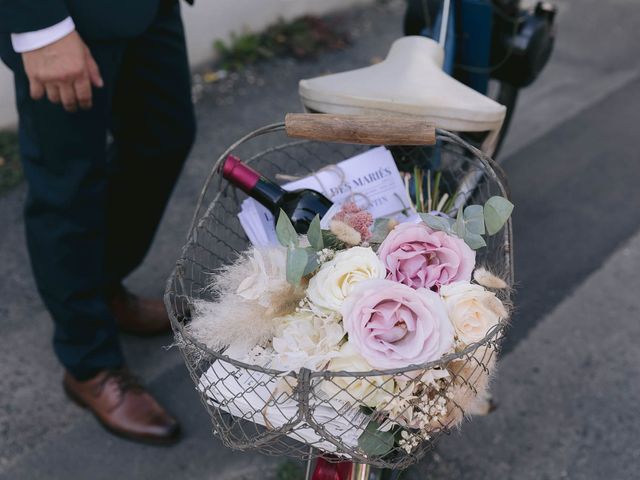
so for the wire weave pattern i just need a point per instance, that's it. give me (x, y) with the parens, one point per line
(318, 407)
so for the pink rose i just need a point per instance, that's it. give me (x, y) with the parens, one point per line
(422, 258)
(392, 325)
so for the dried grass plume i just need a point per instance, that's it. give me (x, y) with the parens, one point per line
(488, 280)
(248, 295)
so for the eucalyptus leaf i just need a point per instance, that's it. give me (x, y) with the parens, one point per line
(314, 234)
(297, 259)
(285, 232)
(459, 227)
(380, 230)
(474, 240)
(312, 261)
(374, 442)
(497, 211)
(330, 240)
(442, 224)
(474, 219)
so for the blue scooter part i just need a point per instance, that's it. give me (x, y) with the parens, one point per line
(475, 24)
(450, 42)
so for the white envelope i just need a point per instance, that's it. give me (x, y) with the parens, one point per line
(256, 397)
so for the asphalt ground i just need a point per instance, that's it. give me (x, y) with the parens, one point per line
(568, 382)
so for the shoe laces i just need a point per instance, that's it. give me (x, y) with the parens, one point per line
(124, 379)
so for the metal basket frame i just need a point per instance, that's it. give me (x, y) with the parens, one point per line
(304, 381)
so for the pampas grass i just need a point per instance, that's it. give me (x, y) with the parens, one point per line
(249, 295)
(470, 388)
(487, 279)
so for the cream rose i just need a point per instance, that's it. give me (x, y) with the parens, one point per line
(266, 273)
(472, 310)
(371, 390)
(305, 340)
(334, 281)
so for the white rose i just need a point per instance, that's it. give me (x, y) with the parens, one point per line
(371, 390)
(305, 340)
(472, 310)
(267, 273)
(334, 281)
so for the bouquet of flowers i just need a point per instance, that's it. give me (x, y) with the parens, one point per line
(392, 301)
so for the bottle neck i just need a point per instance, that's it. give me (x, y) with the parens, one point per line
(252, 183)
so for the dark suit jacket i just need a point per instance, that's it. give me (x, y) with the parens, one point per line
(94, 19)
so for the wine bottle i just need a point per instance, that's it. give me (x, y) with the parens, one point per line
(299, 205)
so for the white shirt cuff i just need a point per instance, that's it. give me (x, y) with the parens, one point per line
(25, 42)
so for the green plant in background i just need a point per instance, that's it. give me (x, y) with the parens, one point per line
(301, 38)
(10, 168)
(243, 49)
(289, 471)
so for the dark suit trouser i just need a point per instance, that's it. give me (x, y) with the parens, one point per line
(99, 181)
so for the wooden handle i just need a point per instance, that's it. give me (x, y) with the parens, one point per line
(362, 129)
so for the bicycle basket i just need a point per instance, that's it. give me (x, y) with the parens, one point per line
(313, 421)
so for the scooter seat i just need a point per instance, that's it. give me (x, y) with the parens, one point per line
(410, 81)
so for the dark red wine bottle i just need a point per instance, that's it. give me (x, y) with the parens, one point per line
(299, 205)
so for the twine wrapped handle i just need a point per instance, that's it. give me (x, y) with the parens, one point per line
(362, 129)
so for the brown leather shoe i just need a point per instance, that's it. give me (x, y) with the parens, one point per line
(138, 315)
(123, 407)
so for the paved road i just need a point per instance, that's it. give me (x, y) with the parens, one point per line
(568, 383)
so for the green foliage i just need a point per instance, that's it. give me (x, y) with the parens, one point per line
(468, 226)
(430, 192)
(418, 180)
(301, 38)
(314, 234)
(497, 211)
(10, 168)
(285, 232)
(474, 221)
(381, 229)
(243, 49)
(300, 261)
(312, 261)
(443, 224)
(374, 442)
(331, 241)
(297, 259)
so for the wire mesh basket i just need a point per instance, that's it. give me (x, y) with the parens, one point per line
(317, 412)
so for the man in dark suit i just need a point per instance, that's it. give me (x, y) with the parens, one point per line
(106, 122)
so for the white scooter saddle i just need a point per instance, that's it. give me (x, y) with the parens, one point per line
(410, 81)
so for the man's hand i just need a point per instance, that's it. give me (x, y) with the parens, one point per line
(65, 71)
